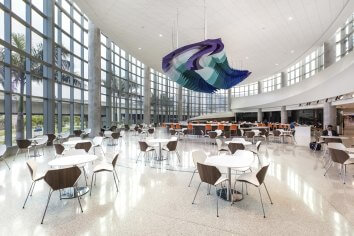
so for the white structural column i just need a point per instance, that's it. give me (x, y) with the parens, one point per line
(329, 115)
(229, 99)
(179, 103)
(283, 115)
(259, 115)
(147, 95)
(94, 80)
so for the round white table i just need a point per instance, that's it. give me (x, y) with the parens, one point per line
(245, 143)
(73, 161)
(159, 141)
(241, 159)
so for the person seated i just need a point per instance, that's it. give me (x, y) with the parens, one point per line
(329, 131)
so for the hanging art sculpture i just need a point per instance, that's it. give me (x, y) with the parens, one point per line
(202, 67)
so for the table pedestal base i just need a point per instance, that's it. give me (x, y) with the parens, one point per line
(236, 196)
(74, 192)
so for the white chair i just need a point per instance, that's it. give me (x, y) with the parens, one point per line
(106, 167)
(256, 179)
(221, 146)
(42, 143)
(32, 167)
(97, 142)
(3, 149)
(198, 156)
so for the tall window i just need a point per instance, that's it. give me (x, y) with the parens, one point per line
(344, 38)
(272, 83)
(245, 90)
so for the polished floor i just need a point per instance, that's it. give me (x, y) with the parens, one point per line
(155, 199)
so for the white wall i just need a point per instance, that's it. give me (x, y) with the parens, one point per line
(335, 80)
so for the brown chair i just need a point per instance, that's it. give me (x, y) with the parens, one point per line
(32, 167)
(233, 147)
(151, 131)
(23, 144)
(107, 167)
(341, 157)
(146, 149)
(77, 133)
(59, 149)
(227, 134)
(256, 179)
(172, 132)
(51, 138)
(250, 135)
(212, 176)
(171, 147)
(276, 134)
(84, 145)
(115, 137)
(212, 136)
(60, 179)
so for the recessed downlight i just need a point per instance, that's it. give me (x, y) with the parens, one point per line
(290, 18)
(160, 35)
(139, 48)
(276, 64)
(292, 51)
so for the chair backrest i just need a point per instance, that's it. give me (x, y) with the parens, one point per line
(208, 127)
(97, 140)
(3, 149)
(178, 126)
(32, 167)
(143, 146)
(115, 135)
(227, 134)
(172, 145)
(84, 145)
(258, 145)
(208, 174)
(114, 161)
(262, 131)
(233, 127)
(198, 157)
(62, 178)
(219, 143)
(23, 143)
(140, 130)
(212, 134)
(338, 155)
(250, 134)
(77, 133)
(276, 132)
(189, 126)
(233, 147)
(136, 128)
(220, 126)
(42, 141)
(332, 140)
(151, 131)
(51, 138)
(262, 173)
(59, 149)
(172, 131)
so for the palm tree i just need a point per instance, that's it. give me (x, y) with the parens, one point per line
(18, 77)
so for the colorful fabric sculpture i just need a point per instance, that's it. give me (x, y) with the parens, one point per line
(202, 67)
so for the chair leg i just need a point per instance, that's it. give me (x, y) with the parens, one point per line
(34, 184)
(271, 202)
(115, 182)
(328, 168)
(46, 207)
(78, 198)
(28, 195)
(260, 195)
(116, 174)
(18, 150)
(91, 183)
(6, 163)
(217, 202)
(196, 192)
(192, 177)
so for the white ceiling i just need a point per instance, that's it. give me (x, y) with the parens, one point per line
(257, 33)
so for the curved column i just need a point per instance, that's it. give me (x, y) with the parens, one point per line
(329, 115)
(283, 115)
(259, 115)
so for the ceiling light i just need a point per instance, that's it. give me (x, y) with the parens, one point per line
(160, 35)
(292, 51)
(276, 64)
(353, 95)
(246, 58)
(139, 48)
(290, 18)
